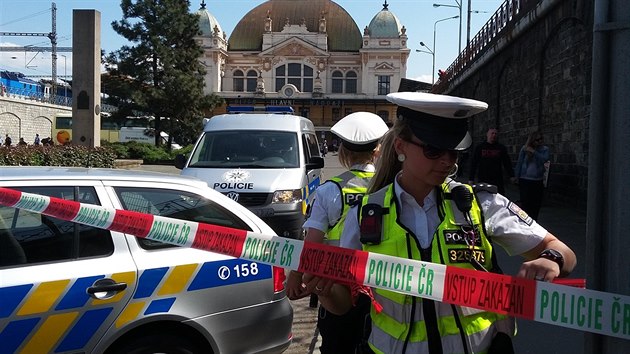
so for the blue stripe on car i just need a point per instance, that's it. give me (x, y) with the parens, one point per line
(15, 333)
(161, 305)
(149, 281)
(208, 275)
(11, 298)
(84, 329)
(76, 295)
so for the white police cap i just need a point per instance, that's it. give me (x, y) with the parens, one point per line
(360, 131)
(438, 120)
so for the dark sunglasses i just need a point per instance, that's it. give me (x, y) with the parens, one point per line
(433, 153)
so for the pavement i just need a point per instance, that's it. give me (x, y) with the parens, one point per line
(565, 222)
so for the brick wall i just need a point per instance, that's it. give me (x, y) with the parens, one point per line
(542, 80)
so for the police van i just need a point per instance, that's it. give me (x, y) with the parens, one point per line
(268, 162)
(72, 288)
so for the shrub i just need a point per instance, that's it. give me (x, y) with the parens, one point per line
(58, 155)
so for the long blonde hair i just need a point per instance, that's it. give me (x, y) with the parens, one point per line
(348, 158)
(388, 165)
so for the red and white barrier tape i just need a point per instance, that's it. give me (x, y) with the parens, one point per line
(565, 306)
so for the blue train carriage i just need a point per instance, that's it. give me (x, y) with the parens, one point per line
(16, 84)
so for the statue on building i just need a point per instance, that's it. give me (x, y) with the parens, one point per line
(260, 85)
(268, 22)
(216, 30)
(322, 23)
(303, 23)
(286, 22)
(366, 31)
(318, 89)
(403, 30)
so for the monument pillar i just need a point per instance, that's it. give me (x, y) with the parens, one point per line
(86, 77)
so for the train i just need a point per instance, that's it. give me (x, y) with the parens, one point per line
(16, 84)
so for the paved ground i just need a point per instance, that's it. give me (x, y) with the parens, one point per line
(567, 224)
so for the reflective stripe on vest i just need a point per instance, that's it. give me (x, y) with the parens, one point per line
(353, 185)
(390, 327)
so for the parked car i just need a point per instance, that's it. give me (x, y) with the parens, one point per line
(68, 288)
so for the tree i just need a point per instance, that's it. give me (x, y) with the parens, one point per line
(161, 68)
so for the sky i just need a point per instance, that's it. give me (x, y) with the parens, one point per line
(418, 16)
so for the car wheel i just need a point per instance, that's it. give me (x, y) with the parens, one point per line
(160, 343)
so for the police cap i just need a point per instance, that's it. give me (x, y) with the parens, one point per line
(438, 120)
(360, 131)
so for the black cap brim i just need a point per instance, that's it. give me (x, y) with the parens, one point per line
(444, 133)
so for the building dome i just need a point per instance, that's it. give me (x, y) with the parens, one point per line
(207, 22)
(385, 24)
(343, 33)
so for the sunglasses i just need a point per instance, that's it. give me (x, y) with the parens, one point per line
(432, 152)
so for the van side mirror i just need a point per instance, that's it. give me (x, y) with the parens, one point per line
(315, 162)
(180, 161)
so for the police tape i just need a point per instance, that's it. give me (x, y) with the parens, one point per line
(565, 306)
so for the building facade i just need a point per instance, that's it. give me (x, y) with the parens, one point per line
(307, 54)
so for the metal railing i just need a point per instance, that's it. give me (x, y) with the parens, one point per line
(500, 24)
(26, 94)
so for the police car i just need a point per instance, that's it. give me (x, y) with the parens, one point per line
(69, 288)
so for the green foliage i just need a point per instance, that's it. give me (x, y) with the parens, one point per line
(58, 155)
(141, 151)
(160, 72)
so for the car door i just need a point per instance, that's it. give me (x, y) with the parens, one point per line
(62, 284)
(311, 149)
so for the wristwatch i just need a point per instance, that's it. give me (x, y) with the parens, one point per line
(553, 255)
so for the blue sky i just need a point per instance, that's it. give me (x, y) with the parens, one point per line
(418, 16)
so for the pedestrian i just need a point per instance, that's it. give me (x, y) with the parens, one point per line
(530, 172)
(7, 141)
(324, 148)
(22, 142)
(489, 160)
(36, 140)
(409, 212)
(360, 133)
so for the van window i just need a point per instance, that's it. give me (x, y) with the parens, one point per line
(30, 238)
(247, 149)
(311, 146)
(178, 205)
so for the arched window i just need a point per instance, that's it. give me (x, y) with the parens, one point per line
(300, 75)
(237, 82)
(252, 75)
(337, 82)
(351, 82)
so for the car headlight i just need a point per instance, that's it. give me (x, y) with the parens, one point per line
(288, 196)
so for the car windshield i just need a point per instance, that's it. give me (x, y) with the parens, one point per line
(247, 148)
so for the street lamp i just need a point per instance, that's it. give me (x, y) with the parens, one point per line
(458, 6)
(433, 51)
(429, 51)
(468, 22)
(65, 76)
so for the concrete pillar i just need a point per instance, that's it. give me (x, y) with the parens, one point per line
(608, 218)
(86, 77)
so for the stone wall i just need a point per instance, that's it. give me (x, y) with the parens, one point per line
(21, 117)
(542, 81)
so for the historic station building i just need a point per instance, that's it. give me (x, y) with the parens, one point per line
(307, 54)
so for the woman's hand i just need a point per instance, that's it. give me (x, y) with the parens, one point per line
(295, 288)
(540, 269)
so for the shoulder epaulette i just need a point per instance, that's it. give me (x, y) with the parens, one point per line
(484, 187)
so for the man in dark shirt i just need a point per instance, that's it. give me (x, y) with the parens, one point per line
(488, 161)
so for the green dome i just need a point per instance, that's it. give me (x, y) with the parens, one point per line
(343, 32)
(385, 24)
(207, 22)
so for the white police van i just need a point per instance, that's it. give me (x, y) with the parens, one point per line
(72, 288)
(270, 163)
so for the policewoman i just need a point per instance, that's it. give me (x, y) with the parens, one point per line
(426, 215)
(359, 133)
